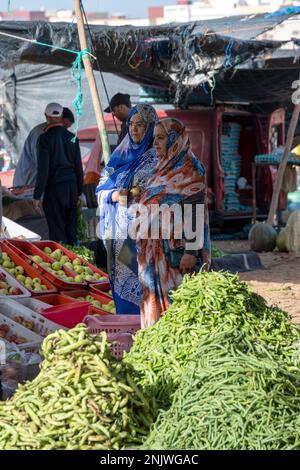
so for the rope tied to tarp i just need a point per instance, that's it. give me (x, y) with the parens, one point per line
(228, 53)
(76, 72)
(77, 76)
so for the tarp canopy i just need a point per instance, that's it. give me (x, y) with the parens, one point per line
(181, 55)
(28, 88)
(184, 61)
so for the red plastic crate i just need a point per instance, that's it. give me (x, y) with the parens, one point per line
(29, 270)
(120, 330)
(103, 298)
(101, 288)
(27, 249)
(68, 315)
(56, 246)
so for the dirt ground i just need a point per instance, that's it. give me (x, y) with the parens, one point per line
(279, 283)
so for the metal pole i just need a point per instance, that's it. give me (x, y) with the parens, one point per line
(92, 83)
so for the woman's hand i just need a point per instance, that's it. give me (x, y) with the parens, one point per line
(115, 196)
(120, 197)
(187, 263)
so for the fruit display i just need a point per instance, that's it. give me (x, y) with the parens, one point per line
(108, 307)
(29, 324)
(18, 272)
(77, 265)
(60, 261)
(6, 288)
(10, 336)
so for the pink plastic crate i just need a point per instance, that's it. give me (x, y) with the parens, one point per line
(68, 315)
(119, 328)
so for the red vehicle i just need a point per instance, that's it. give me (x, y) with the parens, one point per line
(205, 127)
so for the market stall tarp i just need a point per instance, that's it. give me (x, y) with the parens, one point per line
(26, 89)
(182, 54)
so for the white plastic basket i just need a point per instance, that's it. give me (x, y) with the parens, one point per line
(28, 318)
(31, 342)
(33, 304)
(14, 283)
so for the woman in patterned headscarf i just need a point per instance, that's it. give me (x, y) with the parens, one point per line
(179, 182)
(131, 165)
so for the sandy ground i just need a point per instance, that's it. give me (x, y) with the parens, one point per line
(279, 283)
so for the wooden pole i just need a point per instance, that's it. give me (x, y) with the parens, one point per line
(283, 163)
(92, 83)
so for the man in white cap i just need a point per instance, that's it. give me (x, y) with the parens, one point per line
(25, 173)
(59, 177)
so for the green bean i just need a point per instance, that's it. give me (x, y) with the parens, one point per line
(76, 401)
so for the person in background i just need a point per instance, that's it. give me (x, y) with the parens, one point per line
(25, 173)
(59, 177)
(120, 106)
(179, 178)
(131, 165)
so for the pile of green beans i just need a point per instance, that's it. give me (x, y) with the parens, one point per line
(82, 398)
(202, 304)
(233, 396)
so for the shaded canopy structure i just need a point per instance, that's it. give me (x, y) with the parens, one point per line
(202, 63)
(172, 56)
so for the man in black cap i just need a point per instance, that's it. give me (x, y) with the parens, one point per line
(120, 106)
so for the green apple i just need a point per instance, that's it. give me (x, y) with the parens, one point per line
(3, 292)
(76, 262)
(89, 278)
(69, 266)
(37, 259)
(78, 278)
(19, 270)
(47, 250)
(78, 269)
(57, 254)
(21, 278)
(7, 264)
(65, 259)
(56, 266)
(88, 270)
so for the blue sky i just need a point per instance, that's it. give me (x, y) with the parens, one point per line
(133, 8)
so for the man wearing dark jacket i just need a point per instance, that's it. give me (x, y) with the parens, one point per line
(120, 106)
(59, 177)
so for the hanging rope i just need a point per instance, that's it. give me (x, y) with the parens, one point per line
(212, 89)
(77, 76)
(228, 53)
(76, 72)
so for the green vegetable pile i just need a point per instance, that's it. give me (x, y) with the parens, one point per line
(83, 398)
(201, 305)
(82, 251)
(233, 396)
(217, 252)
(81, 225)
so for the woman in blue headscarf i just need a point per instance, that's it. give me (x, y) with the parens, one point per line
(131, 165)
